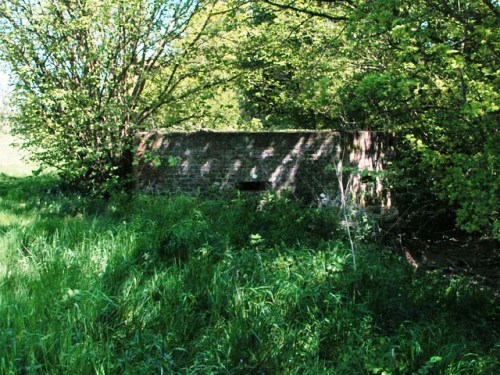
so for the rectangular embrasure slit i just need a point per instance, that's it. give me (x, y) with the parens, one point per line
(252, 185)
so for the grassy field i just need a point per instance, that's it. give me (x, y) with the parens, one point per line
(147, 285)
(11, 159)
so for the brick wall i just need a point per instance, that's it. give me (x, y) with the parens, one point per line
(303, 163)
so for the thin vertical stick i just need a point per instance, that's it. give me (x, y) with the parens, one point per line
(339, 172)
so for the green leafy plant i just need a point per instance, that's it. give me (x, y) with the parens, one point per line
(89, 75)
(185, 285)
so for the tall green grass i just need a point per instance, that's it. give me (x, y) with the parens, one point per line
(154, 284)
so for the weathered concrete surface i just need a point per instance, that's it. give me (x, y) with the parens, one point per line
(306, 164)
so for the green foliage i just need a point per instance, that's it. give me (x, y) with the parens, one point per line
(290, 69)
(427, 71)
(473, 183)
(182, 285)
(424, 69)
(89, 74)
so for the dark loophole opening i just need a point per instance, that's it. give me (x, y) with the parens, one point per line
(251, 185)
(367, 179)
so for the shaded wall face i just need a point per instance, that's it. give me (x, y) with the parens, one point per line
(306, 164)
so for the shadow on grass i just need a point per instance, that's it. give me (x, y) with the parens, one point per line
(182, 285)
(21, 194)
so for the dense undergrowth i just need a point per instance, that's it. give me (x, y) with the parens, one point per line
(183, 285)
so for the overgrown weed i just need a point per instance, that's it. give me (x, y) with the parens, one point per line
(184, 285)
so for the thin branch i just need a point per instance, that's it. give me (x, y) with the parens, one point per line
(306, 11)
(492, 7)
(343, 202)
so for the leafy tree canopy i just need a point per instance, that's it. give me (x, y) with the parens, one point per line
(426, 69)
(89, 74)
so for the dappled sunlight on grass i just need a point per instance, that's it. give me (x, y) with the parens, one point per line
(181, 285)
(13, 160)
(10, 219)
